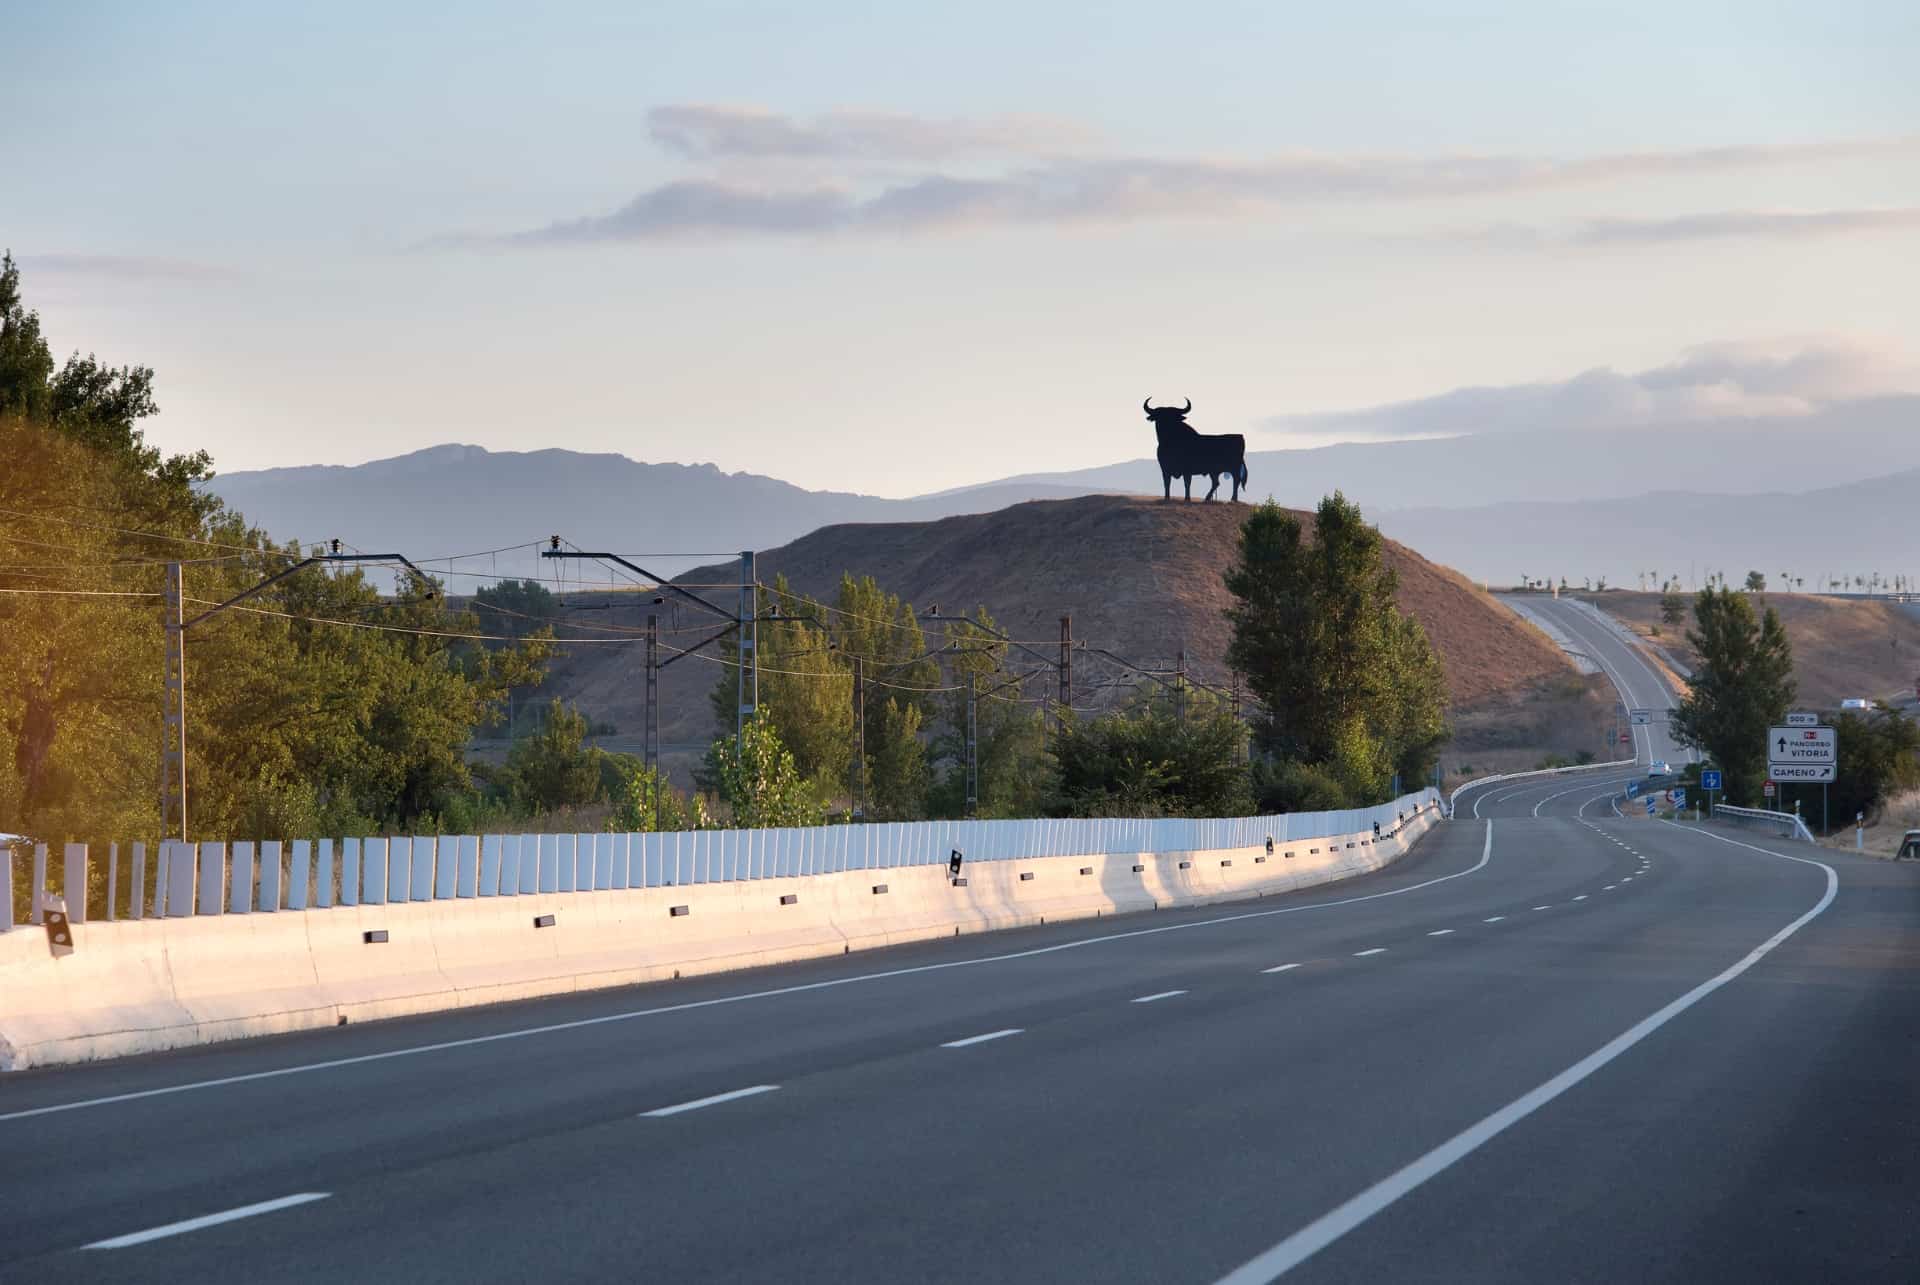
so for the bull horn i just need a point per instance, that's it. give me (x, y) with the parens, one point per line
(1187, 407)
(1147, 405)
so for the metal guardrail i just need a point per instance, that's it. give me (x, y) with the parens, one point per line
(1787, 825)
(1477, 782)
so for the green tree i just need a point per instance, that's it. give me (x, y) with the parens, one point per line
(898, 773)
(1756, 583)
(1875, 759)
(1742, 685)
(1673, 607)
(1346, 680)
(555, 767)
(1147, 762)
(759, 780)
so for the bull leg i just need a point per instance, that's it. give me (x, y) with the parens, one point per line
(1215, 477)
(1167, 478)
(1187, 481)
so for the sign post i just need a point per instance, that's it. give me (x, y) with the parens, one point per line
(1710, 783)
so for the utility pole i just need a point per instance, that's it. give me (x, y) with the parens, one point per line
(652, 731)
(1180, 682)
(1066, 666)
(859, 784)
(173, 745)
(749, 675)
(173, 754)
(973, 746)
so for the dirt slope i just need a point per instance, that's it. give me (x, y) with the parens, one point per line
(1842, 647)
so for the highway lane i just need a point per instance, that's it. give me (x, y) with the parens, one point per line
(1641, 684)
(1094, 1135)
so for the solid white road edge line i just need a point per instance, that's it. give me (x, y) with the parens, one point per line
(982, 1039)
(1157, 995)
(662, 1112)
(1337, 1222)
(207, 1220)
(1486, 854)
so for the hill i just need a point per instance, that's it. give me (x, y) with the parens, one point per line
(1842, 647)
(1139, 577)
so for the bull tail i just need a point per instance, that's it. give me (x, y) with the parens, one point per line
(1243, 472)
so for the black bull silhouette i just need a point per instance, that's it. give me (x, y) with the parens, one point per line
(1186, 454)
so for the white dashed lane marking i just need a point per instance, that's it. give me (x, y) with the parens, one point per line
(1493, 919)
(207, 1220)
(1440, 932)
(1377, 950)
(662, 1112)
(1279, 968)
(982, 1039)
(1157, 995)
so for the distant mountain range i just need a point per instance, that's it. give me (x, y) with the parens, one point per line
(455, 499)
(1855, 529)
(1579, 503)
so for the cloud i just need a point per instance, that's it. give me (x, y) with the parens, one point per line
(123, 267)
(1713, 381)
(1030, 189)
(706, 132)
(1713, 226)
(762, 173)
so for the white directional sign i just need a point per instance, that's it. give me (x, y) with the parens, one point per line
(1800, 718)
(1800, 747)
(1804, 773)
(1641, 716)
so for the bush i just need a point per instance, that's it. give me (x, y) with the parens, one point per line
(1150, 764)
(1285, 786)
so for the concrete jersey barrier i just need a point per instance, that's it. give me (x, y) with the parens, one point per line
(141, 986)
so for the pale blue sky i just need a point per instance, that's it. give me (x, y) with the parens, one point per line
(896, 248)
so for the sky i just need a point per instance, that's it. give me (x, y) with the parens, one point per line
(899, 248)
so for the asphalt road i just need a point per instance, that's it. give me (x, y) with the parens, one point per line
(1453, 1075)
(1640, 684)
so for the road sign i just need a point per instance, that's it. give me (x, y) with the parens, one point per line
(1803, 773)
(1709, 779)
(1633, 789)
(1800, 747)
(1800, 718)
(1650, 805)
(1641, 716)
(1679, 798)
(1767, 789)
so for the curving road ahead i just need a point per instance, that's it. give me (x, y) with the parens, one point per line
(1641, 685)
(1563, 1047)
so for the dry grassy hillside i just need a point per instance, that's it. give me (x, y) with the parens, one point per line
(1138, 576)
(1842, 647)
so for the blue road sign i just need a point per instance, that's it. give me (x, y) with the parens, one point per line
(1709, 779)
(1650, 805)
(1633, 789)
(1679, 798)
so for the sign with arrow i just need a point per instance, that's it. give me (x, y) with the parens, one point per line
(1641, 716)
(1709, 779)
(1801, 748)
